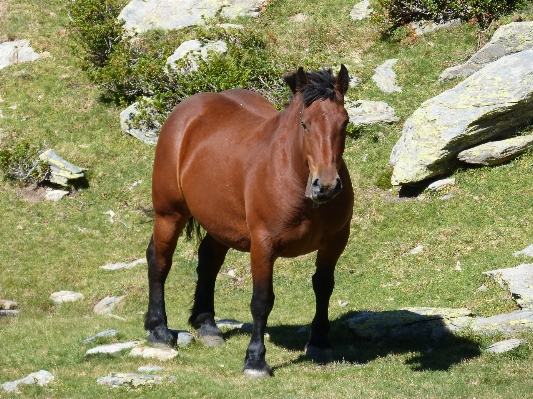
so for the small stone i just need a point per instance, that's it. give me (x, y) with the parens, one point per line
(103, 334)
(446, 197)
(123, 265)
(111, 349)
(16, 52)
(107, 305)
(129, 379)
(416, 250)
(385, 77)
(41, 378)
(440, 184)
(184, 338)
(9, 313)
(483, 288)
(66, 296)
(229, 323)
(7, 304)
(162, 354)
(149, 369)
(55, 195)
(364, 113)
(505, 346)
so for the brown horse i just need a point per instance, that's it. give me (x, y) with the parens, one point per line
(253, 178)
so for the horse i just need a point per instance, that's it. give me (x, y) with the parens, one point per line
(258, 180)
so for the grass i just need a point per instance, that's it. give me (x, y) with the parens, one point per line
(47, 247)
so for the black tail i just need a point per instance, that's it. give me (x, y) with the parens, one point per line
(194, 230)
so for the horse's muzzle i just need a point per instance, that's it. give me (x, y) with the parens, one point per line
(321, 193)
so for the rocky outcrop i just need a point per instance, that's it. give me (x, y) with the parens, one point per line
(143, 15)
(491, 103)
(508, 39)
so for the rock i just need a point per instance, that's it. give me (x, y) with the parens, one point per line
(234, 325)
(440, 184)
(416, 250)
(385, 77)
(147, 134)
(505, 346)
(103, 334)
(9, 313)
(446, 197)
(107, 305)
(6, 304)
(16, 52)
(519, 281)
(191, 49)
(162, 354)
(41, 378)
(111, 349)
(509, 323)
(364, 112)
(55, 195)
(143, 15)
(422, 27)
(508, 39)
(526, 251)
(149, 369)
(129, 379)
(496, 152)
(361, 10)
(62, 172)
(184, 338)
(493, 102)
(123, 265)
(66, 296)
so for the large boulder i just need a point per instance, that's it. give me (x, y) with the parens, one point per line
(491, 103)
(508, 39)
(143, 15)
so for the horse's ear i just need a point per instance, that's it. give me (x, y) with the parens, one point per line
(343, 80)
(296, 81)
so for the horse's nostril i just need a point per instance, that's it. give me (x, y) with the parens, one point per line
(316, 183)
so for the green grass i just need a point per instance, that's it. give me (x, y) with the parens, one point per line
(52, 246)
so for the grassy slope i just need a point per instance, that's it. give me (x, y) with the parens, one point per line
(48, 247)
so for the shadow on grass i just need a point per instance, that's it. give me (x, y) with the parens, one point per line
(426, 338)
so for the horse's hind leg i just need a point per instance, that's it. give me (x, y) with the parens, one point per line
(159, 255)
(319, 347)
(211, 255)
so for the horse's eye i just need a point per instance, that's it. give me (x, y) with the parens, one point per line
(303, 125)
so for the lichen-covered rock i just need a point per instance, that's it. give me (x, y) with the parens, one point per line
(505, 346)
(147, 134)
(16, 52)
(492, 102)
(364, 112)
(519, 281)
(496, 152)
(62, 171)
(508, 323)
(508, 39)
(143, 15)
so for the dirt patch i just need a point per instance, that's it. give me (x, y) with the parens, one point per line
(32, 193)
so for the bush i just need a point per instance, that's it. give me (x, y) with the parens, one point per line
(400, 12)
(21, 162)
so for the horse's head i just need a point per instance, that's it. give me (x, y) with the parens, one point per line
(323, 122)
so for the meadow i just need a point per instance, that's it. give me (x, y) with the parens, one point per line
(52, 246)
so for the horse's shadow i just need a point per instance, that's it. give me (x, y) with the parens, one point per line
(428, 340)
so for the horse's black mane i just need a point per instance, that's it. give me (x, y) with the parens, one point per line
(320, 86)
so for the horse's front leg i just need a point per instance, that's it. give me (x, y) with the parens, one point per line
(319, 347)
(261, 305)
(159, 257)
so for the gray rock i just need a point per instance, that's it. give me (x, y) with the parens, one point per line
(192, 49)
(129, 380)
(149, 369)
(496, 152)
(55, 195)
(123, 265)
(526, 251)
(361, 10)
(519, 281)
(505, 346)
(234, 325)
(440, 184)
(147, 134)
(446, 197)
(103, 334)
(41, 378)
(509, 323)
(493, 102)
(66, 296)
(364, 112)
(143, 15)
(9, 313)
(62, 172)
(6, 304)
(385, 77)
(423, 27)
(184, 337)
(162, 354)
(416, 250)
(16, 52)
(107, 305)
(111, 349)
(508, 39)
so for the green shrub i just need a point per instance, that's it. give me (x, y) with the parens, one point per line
(21, 162)
(400, 12)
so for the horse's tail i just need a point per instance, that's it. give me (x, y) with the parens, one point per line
(193, 230)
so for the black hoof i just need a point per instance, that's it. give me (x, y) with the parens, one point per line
(161, 336)
(319, 355)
